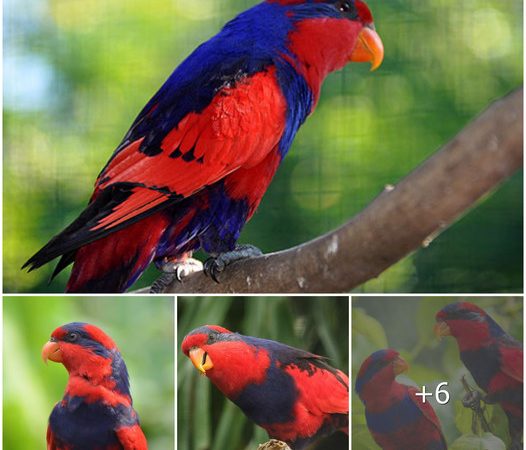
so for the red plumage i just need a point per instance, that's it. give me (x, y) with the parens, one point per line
(96, 411)
(396, 417)
(206, 146)
(294, 395)
(236, 131)
(492, 356)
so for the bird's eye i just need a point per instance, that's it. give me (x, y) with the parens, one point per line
(72, 337)
(345, 6)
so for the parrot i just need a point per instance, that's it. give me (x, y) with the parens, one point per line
(492, 356)
(296, 396)
(396, 416)
(197, 160)
(96, 412)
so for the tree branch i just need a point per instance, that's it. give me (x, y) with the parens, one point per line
(273, 444)
(397, 222)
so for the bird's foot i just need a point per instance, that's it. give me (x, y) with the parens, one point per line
(473, 400)
(175, 270)
(216, 264)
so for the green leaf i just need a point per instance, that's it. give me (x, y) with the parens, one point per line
(229, 428)
(463, 418)
(362, 439)
(487, 441)
(427, 309)
(368, 327)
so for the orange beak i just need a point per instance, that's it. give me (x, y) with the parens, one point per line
(441, 329)
(369, 48)
(400, 366)
(201, 360)
(51, 351)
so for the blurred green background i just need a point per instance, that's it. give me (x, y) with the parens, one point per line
(406, 324)
(141, 327)
(76, 73)
(206, 420)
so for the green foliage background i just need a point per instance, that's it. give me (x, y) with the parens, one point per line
(142, 329)
(78, 71)
(406, 324)
(206, 419)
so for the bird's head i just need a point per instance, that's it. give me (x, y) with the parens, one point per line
(87, 352)
(315, 37)
(333, 31)
(227, 358)
(379, 369)
(198, 343)
(466, 322)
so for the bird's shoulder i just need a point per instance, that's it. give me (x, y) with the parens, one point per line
(425, 407)
(511, 356)
(508, 341)
(252, 43)
(301, 362)
(243, 48)
(284, 353)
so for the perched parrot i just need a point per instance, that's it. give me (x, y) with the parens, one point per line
(194, 165)
(293, 394)
(396, 417)
(96, 412)
(492, 356)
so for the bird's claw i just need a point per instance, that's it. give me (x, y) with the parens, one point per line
(159, 285)
(215, 265)
(472, 400)
(175, 270)
(184, 268)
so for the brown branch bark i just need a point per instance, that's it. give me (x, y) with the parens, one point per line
(397, 222)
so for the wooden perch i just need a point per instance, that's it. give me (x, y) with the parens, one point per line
(398, 221)
(273, 444)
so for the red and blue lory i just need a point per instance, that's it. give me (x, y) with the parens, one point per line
(397, 418)
(492, 356)
(194, 165)
(293, 394)
(96, 412)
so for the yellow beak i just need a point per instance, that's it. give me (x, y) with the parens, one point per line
(51, 351)
(441, 329)
(400, 365)
(369, 48)
(201, 360)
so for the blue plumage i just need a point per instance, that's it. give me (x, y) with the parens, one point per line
(88, 426)
(246, 45)
(278, 392)
(402, 414)
(483, 364)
